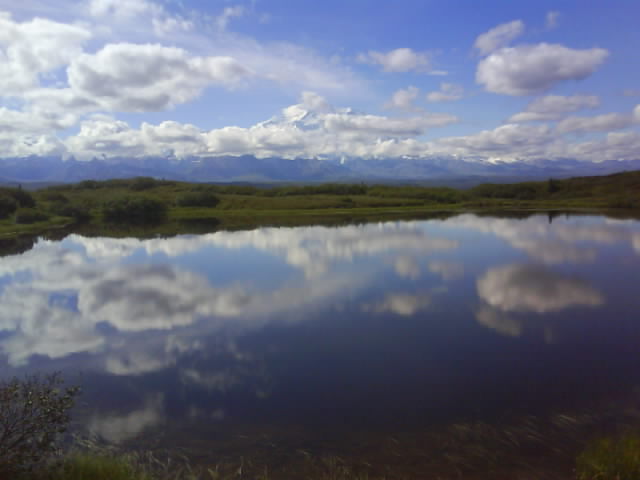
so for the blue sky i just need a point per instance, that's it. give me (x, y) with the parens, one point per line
(492, 80)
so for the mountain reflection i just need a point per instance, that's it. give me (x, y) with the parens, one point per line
(276, 321)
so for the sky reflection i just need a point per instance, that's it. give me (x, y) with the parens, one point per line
(267, 323)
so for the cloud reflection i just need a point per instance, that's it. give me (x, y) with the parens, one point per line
(510, 291)
(400, 303)
(552, 243)
(532, 288)
(100, 286)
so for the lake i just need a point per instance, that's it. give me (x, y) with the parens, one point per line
(369, 341)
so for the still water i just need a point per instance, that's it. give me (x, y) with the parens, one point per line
(381, 327)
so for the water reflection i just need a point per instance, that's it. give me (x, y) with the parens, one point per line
(274, 324)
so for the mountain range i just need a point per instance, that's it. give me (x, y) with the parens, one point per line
(248, 169)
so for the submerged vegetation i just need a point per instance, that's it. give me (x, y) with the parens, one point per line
(149, 201)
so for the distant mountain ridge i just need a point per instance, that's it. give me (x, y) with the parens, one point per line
(249, 169)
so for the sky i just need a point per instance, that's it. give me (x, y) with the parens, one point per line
(489, 81)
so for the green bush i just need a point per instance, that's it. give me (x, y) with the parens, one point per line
(610, 459)
(78, 213)
(22, 197)
(142, 183)
(134, 209)
(87, 185)
(7, 206)
(34, 412)
(53, 196)
(30, 215)
(197, 199)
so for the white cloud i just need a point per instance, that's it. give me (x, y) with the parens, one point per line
(404, 99)
(398, 60)
(499, 36)
(30, 49)
(385, 126)
(132, 77)
(502, 143)
(599, 123)
(554, 107)
(448, 92)
(552, 19)
(227, 14)
(531, 69)
(118, 15)
(530, 288)
(311, 128)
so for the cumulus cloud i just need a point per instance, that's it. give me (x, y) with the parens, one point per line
(311, 128)
(448, 92)
(385, 126)
(132, 77)
(531, 288)
(404, 99)
(499, 36)
(31, 49)
(398, 60)
(554, 107)
(599, 123)
(531, 69)
(504, 142)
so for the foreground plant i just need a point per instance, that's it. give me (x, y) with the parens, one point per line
(34, 412)
(611, 458)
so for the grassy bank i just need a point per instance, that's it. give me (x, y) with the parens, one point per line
(169, 207)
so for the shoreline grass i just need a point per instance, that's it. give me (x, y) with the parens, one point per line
(90, 205)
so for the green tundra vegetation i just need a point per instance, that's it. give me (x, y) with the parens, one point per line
(125, 203)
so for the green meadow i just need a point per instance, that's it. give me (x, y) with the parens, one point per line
(131, 206)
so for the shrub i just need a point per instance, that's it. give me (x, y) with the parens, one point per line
(197, 199)
(142, 183)
(610, 459)
(34, 412)
(78, 213)
(7, 206)
(22, 197)
(30, 215)
(53, 196)
(87, 185)
(134, 209)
